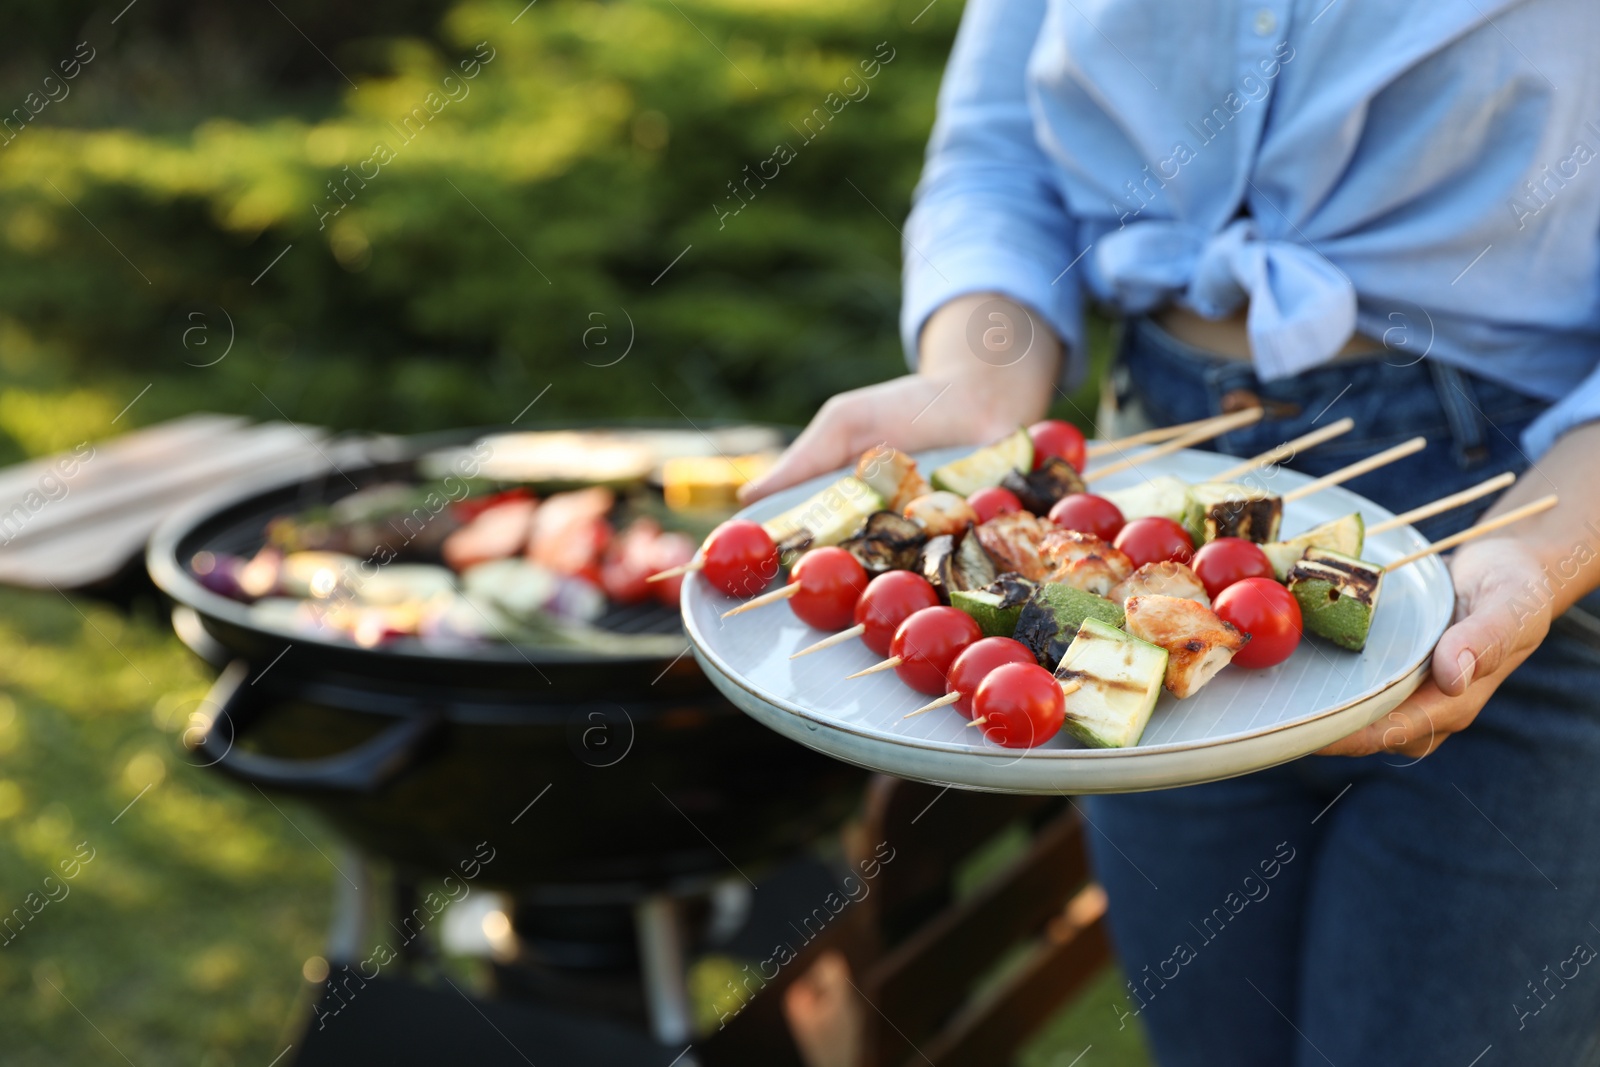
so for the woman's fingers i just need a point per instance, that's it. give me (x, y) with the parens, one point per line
(828, 443)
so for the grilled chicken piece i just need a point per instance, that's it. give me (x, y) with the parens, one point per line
(499, 531)
(1084, 561)
(893, 475)
(1014, 542)
(1198, 643)
(1167, 578)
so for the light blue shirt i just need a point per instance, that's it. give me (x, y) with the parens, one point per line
(1425, 172)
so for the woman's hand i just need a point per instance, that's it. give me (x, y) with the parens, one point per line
(1498, 625)
(985, 366)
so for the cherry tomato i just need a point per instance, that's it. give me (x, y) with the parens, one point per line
(994, 501)
(1020, 704)
(1220, 563)
(672, 549)
(1154, 539)
(1052, 437)
(1266, 611)
(740, 558)
(890, 599)
(831, 581)
(1088, 513)
(973, 666)
(928, 642)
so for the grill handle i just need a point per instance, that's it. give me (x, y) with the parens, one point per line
(363, 769)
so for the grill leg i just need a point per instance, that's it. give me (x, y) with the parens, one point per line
(662, 961)
(352, 908)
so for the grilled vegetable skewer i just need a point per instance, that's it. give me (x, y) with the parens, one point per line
(1543, 504)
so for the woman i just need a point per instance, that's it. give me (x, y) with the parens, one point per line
(1328, 207)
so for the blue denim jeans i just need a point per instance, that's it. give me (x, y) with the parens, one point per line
(1375, 911)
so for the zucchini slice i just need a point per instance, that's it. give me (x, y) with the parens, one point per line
(1166, 496)
(987, 466)
(826, 518)
(1344, 535)
(1118, 680)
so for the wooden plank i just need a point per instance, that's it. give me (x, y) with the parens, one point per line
(993, 1027)
(116, 455)
(199, 469)
(921, 981)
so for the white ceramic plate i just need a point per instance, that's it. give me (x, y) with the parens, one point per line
(1242, 721)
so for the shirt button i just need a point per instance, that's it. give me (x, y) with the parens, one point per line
(1265, 22)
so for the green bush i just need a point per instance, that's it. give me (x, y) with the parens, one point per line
(449, 257)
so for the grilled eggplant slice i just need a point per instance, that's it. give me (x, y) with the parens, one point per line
(894, 528)
(1229, 509)
(997, 605)
(1198, 643)
(1112, 681)
(1052, 617)
(1039, 490)
(951, 565)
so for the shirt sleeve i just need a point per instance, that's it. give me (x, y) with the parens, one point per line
(988, 215)
(1571, 411)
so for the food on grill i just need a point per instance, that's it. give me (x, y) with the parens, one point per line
(569, 531)
(941, 512)
(1340, 535)
(996, 606)
(1230, 509)
(826, 517)
(1198, 643)
(1153, 539)
(407, 583)
(1088, 513)
(498, 531)
(1040, 489)
(987, 466)
(1013, 541)
(886, 541)
(1166, 578)
(1337, 594)
(893, 475)
(1053, 615)
(1164, 496)
(697, 483)
(392, 518)
(1084, 561)
(1115, 678)
(1227, 560)
(1019, 705)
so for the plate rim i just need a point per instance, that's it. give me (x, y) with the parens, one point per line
(692, 589)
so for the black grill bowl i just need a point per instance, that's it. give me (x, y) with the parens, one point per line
(568, 768)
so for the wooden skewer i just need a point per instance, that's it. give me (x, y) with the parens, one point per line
(828, 642)
(976, 722)
(943, 702)
(887, 665)
(672, 572)
(1515, 515)
(1443, 504)
(1371, 463)
(1286, 450)
(781, 593)
(1148, 437)
(1215, 428)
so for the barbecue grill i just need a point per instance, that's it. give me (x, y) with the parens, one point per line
(613, 780)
